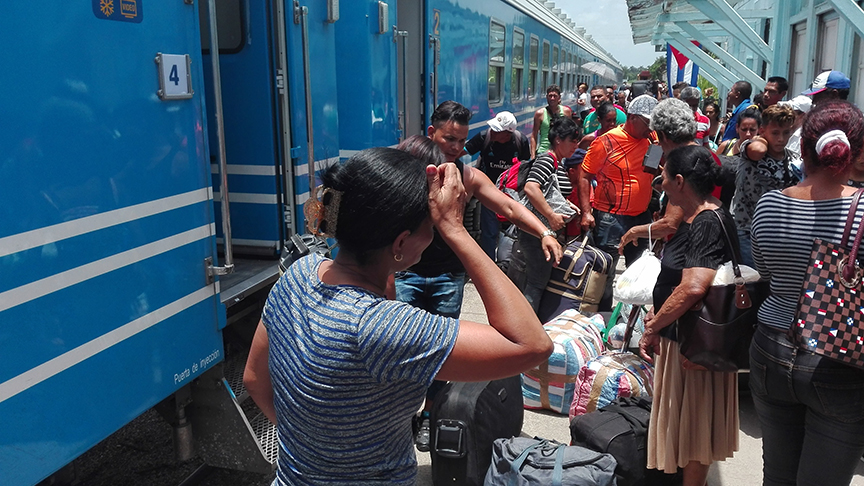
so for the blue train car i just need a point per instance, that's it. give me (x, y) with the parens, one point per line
(151, 169)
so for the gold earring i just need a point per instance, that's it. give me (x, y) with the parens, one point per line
(398, 257)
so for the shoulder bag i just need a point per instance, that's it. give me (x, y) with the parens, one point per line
(829, 321)
(716, 333)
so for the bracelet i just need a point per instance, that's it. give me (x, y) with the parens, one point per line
(548, 232)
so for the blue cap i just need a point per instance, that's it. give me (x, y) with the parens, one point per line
(828, 80)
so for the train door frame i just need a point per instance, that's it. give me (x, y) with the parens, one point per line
(411, 66)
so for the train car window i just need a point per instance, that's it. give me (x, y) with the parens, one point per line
(516, 86)
(555, 65)
(229, 22)
(496, 61)
(533, 56)
(545, 66)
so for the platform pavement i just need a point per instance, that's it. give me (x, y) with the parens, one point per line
(744, 469)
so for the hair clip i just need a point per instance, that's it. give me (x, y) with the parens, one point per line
(322, 211)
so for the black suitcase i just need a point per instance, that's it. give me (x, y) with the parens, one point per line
(621, 429)
(466, 419)
(577, 282)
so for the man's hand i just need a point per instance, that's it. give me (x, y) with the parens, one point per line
(587, 221)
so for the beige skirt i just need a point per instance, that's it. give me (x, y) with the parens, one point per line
(694, 416)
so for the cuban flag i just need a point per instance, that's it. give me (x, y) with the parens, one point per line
(680, 68)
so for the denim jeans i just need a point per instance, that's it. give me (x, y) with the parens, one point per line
(746, 247)
(441, 294)
(489, 229)
(608, 230)
(533, 277)
(811, 410)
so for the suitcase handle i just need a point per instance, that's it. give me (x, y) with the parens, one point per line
(450, 438)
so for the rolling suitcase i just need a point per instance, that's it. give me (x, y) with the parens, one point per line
(466, 419)
(577, 282)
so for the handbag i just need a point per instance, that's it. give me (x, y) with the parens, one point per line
(636, 284)
(553, 196)
(716, 333)
(829, 320)
(520, 461)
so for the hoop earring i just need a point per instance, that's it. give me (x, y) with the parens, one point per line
(398, 257)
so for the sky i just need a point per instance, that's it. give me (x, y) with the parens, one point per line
(608, 23)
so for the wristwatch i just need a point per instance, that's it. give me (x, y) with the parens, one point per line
(548, 232)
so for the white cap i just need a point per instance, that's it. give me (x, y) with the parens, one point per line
(799, 103)
(504, 121)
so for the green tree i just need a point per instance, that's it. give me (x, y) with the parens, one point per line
(658, 68)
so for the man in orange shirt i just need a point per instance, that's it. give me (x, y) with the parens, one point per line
(623, 187)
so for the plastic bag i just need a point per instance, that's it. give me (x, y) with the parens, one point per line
(636, 284)
(726, 276)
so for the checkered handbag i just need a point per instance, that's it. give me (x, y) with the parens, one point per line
(830, 319)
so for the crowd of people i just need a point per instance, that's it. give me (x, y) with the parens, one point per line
(349, 349)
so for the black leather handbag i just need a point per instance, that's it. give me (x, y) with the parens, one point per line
(716, 333)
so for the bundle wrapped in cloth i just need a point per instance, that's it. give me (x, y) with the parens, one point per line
(577, 340)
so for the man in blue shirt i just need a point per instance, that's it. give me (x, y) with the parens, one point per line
(739, 97)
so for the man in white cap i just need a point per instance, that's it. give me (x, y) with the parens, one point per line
(827, 86)
(497, 146)
(801, 105)
(615, 160)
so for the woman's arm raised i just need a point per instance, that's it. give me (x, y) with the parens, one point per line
(515, 340)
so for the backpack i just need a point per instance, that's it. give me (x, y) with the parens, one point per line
(512, 181)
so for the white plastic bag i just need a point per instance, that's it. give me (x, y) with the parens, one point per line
(726, 275)
(636, 284)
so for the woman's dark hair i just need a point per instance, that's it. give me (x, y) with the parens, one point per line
(604, 109)
(751, 112)
(384, 192)
(715, 105)
(824, 117)
(697, 166)
(563, 128)
(424, 149)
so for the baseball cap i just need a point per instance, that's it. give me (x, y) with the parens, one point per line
(799, 103)
(828, 80)
(642, 105)
(503, 121)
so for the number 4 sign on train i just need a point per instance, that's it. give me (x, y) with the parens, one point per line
(175, 82)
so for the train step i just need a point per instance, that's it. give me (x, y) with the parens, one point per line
(230, 430)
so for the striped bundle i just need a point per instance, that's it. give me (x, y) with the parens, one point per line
(551, 386)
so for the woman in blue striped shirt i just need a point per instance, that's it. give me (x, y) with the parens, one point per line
(811, 408)
(340, 368)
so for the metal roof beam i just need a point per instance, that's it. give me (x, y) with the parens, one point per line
(851, 12)
(731, 62)
(700, 16)
(723, 14)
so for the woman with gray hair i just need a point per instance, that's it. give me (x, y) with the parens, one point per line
(673, 121)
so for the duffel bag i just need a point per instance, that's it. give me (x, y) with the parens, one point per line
(520, 461)
(621, 429)
(577, 282)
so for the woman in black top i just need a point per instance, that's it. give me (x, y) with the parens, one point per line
(694, 420)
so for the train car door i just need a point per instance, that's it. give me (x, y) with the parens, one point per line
(252, 123)
(106, 223)
(411, 38)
